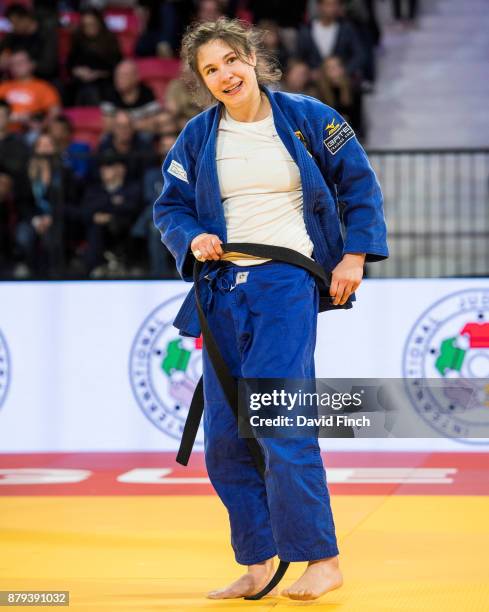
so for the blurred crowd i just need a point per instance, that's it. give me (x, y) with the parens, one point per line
(72, 208)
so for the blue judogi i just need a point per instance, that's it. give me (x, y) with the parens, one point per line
(333, 176)
(266, 327)
(288, 513)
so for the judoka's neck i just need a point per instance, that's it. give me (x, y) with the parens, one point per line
(256, 109)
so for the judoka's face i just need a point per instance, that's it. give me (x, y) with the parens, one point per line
(229, 78)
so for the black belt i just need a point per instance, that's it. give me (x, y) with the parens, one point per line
(226, 379)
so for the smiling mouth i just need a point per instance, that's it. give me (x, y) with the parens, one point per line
(234, 88)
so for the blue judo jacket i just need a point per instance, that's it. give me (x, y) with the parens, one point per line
(339, 187)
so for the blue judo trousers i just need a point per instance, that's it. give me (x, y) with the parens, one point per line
(264, 322)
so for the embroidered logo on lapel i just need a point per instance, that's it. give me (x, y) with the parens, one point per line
(300, 136)
(178, 170)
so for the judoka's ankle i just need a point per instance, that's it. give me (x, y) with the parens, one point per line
(332, 562)
(262, 568)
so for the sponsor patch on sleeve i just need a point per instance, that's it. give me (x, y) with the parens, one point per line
(178, 170)
(338, 138)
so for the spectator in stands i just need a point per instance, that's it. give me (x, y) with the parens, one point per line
(209, 10)
(298, 78)
(179, 100)
(335, 88)
(55, 202)
(361, 15)
(287, 15)
(28, 35)
(7, 220)
(110, 209)
(133, 96)
(162, 24)
(91, 61)
(14, 153)
(74, 154)
(165, 122)
(161, 262)
(125, 141)
(327, 35)
(272, 41)
(34, 102)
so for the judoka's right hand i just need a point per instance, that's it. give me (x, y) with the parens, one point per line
(206, 246)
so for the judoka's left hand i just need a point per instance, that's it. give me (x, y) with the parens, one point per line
(346, 277)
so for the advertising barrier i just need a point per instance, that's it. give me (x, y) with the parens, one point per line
(98, 366)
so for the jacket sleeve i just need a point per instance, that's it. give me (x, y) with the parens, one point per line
(174, 212)
(344, 163)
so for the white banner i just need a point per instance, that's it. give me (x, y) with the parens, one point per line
(99, 367)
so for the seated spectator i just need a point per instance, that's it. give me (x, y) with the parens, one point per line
(165, 122)
(329, 35)
(30, 99)
(54, 205)
(125, 141)
(7, 220)
(272, 42)
(91, 61)
(14, 153)
(179, 101)
(286, 15)
(162, 25)
(161, 262)
(75, 155)
(133, 96)
(298, 78)
(360, 15)
(336, 89)
(209, 10)
(28, 35)
(110, 209)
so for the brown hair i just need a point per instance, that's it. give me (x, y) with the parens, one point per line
(326, 88)
(243, 40)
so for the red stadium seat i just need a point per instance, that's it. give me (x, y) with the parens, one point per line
(125, 25)
(158, 72)
(87, 123)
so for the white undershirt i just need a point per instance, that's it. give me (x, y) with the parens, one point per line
(324, 37)
(260, 187)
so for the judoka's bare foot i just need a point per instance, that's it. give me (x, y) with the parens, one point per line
(320, 577)
(258, 576)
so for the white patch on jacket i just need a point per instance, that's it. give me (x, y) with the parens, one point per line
(178, 170)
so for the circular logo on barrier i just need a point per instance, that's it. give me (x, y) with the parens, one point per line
(4, 369)
(446, 365)
(164, 369)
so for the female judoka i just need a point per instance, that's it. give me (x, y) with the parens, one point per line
(263, 166)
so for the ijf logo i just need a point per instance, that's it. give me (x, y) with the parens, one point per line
(164, 369)
(451, 341)
(4, 369)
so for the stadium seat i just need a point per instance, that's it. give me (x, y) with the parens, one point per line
(87, 123)
(125, 25)
(158, 72)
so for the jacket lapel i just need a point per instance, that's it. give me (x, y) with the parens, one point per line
(208, 182)
(296, 149)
